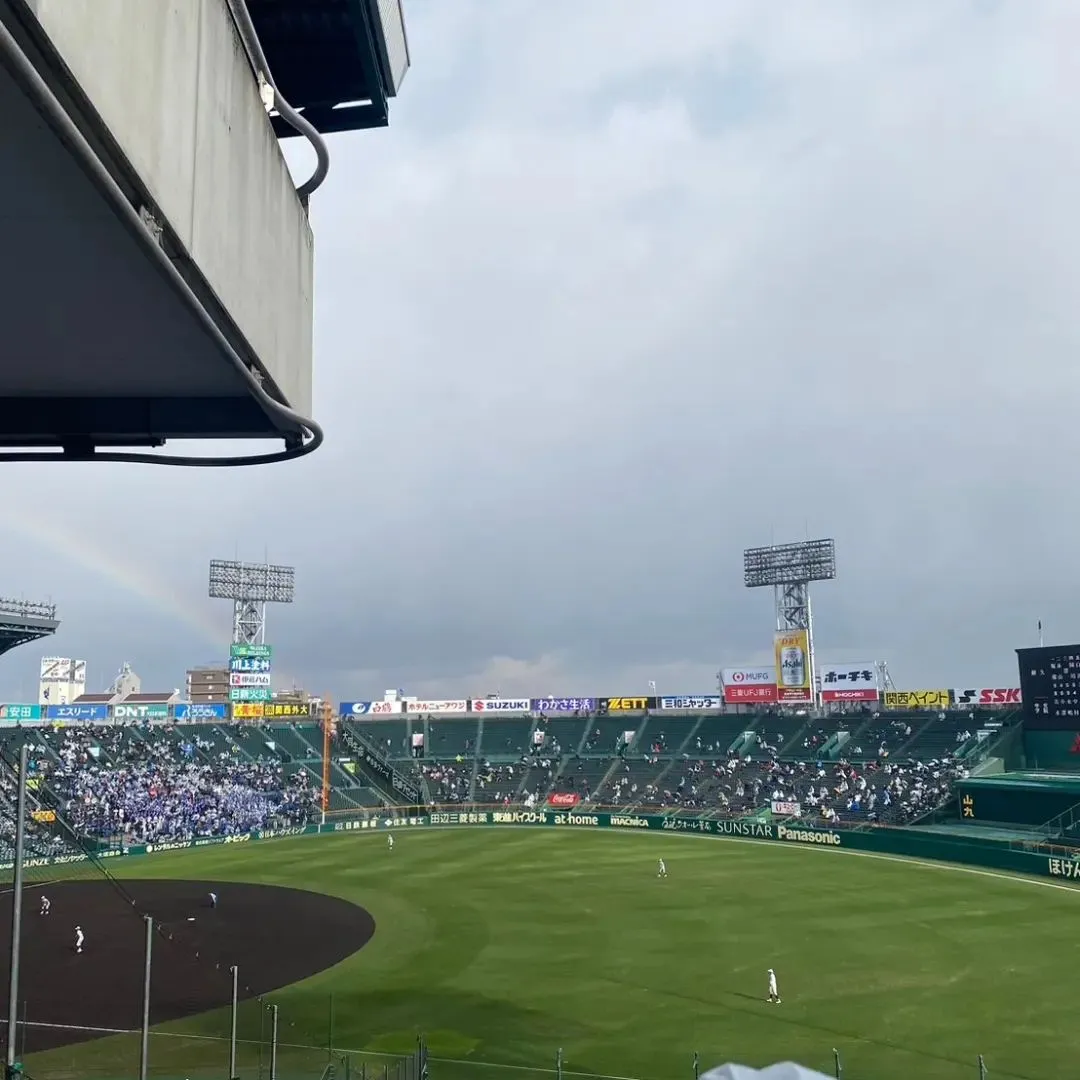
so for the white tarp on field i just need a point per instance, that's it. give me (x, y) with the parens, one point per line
(785, 1070)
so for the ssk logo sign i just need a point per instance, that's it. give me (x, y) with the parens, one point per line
(987, 696)
(627, 704)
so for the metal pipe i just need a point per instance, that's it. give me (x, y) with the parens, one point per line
(16, 909)
(144, 1046)
(232, 1030)
(273, 1042)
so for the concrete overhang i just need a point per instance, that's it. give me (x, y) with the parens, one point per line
(157, 262)
(338, 61)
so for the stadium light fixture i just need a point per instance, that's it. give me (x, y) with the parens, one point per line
(257, 583)
(789, 564)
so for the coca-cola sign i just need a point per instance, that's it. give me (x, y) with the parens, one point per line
(564, 798)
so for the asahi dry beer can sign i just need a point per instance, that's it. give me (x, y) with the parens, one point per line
(792, 648)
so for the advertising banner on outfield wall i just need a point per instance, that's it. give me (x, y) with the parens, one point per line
(692, 701)
(284, 710)
(200, 711)
(157, 711)
(792, 649)
(849, 682)
(563, 704)
(625, 704)
(916, 699)
(77, 712)
(247, 710)
(986, 696)
(503, 705)
(371, 708)
(13, 714)
(423, 705)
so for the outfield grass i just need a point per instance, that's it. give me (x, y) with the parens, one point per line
(503, 946)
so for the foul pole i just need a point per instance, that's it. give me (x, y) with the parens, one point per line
(327, 722)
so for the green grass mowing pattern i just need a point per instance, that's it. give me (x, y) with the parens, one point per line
(504, 945)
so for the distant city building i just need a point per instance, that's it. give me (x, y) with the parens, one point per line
(208, 685)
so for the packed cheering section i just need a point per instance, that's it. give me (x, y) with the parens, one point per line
(135, 777)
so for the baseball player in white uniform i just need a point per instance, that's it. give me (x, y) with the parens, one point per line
(774, 995)
(46, 903)
(79, 939)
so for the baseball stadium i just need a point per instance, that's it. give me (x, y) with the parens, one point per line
(806, 866)
(515, 889)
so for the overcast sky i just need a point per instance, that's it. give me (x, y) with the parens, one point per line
(621, 291)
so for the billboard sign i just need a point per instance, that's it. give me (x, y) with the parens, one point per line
(249, 678)
(753, 694)
(986, 696)
(785, 809)
(200, 711)
(624, 704)
(849, 682)
(260, 652)
(248, 663)
(504, 705)
(792, 668)
(140, 712)
(563, 798)
(251, 710)
(77, 712)
(15, 713)
(78, 672)
(56, 669)
(749, 685)
(916, 700)
(285, 710)
(563, 704)
(440, 705)
(250, 693)
(700, 701)
(748, 676)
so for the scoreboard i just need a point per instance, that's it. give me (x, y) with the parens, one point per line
(1050, 687)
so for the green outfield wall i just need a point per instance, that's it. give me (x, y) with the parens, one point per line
(911, 843)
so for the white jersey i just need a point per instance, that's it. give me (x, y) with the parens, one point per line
(46, 903)
(663, 868)
(79, 939)
(390, 842)
(772, 984)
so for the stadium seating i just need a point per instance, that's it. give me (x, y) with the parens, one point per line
(220, 777)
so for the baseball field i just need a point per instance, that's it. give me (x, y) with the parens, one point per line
(503, 947)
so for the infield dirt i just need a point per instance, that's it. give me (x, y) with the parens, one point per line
(275, 936)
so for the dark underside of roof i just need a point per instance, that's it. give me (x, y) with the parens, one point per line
(326, 60)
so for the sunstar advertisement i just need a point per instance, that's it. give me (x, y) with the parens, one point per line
(792, 648)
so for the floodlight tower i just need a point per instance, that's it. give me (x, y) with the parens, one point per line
(789, 569)
(251, 586)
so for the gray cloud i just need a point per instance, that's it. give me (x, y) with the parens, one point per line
(616, 296)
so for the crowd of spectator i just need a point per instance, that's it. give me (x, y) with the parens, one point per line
(109, 784)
